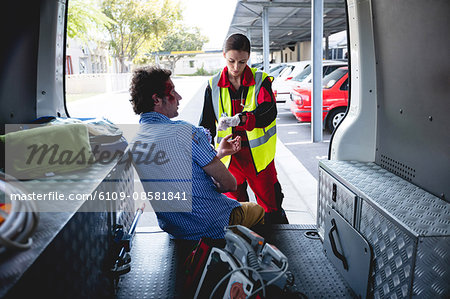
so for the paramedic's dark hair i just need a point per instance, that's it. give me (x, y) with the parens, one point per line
(238, 42)
(147, 81)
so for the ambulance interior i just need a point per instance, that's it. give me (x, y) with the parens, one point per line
(383, 218)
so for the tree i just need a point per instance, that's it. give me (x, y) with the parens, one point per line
(182, 39)
(83, 18)
(137, 22)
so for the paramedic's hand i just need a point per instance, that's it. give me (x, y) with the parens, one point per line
(225, 122)
(228, 146)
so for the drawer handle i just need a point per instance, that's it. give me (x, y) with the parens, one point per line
(334, 194)
(333, 245)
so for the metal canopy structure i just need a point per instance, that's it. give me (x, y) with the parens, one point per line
(273, 25)
(289, 21)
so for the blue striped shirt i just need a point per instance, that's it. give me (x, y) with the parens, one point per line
(169, 156)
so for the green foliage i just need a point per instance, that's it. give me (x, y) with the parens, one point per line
(135, 27)
(84, 18)
(202, 72)
(138, 25)
(184, 39)
(181, 39)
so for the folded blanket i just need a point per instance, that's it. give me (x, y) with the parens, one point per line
(44, 151)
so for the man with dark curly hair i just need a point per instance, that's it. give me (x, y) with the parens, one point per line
(181, 172)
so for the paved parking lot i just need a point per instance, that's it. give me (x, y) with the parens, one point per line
(296, 137)
(297, 164)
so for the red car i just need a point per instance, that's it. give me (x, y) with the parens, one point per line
(335, 99)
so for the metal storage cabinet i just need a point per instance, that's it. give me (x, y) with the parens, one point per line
(336, 195)
(71, 253)
(408, 228)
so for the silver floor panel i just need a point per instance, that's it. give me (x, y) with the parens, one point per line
(156, 264)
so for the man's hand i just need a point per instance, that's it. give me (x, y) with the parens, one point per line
(225, 122)
(228, 146)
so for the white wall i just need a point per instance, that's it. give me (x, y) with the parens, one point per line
(97, 83)
(305, 50)
(276, 56)
(289, 55)
(189, 65)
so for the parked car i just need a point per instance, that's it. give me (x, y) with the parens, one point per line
(283, 90)
(328, 67)
(335, 99)
(305, 77)
(258, 65)
(282, 82)
(276, 69)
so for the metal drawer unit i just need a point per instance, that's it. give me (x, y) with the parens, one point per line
(71, 253)
(336, 195)
(407, 227)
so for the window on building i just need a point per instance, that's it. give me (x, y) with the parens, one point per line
(82, 68)
(336, 53)
(191, 63)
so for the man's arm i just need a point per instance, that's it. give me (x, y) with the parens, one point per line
(224, 180)
(206, 157)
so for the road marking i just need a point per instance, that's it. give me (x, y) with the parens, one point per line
(294, 124)
(285, 112)
(304, 142)
(297, 143)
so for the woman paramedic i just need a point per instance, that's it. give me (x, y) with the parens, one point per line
(239, 101)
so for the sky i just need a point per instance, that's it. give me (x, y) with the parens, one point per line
(213, 17)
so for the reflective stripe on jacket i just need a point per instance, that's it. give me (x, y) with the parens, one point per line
(262, 141)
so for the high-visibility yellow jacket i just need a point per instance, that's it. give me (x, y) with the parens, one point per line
(262, 141)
